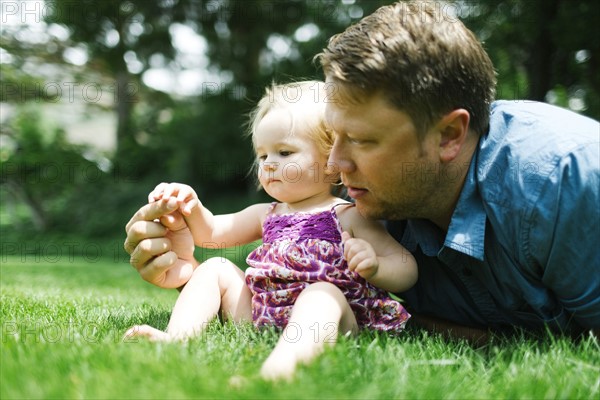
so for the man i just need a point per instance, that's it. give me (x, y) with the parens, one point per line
(498, 201)
(500, 209)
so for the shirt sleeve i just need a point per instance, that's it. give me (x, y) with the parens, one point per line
(563, 234)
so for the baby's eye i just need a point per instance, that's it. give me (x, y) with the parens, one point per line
(261, 157)
(285, 153)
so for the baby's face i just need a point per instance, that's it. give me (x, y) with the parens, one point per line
(291, 167)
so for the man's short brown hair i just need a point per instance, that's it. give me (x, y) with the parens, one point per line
(423, 60)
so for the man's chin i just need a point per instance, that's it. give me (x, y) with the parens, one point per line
(367, 211)
(371, 211)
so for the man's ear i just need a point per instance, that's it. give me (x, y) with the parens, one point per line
(454, 129)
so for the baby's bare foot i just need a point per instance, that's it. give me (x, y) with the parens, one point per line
(148, 332)
(279, 365)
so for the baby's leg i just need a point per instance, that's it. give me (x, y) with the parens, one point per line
(321, 312)
(216, 285)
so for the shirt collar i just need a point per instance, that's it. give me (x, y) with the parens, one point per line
(466, 232)
(424, 234)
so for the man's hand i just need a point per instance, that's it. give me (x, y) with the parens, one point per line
(161, 245)
(360, 256)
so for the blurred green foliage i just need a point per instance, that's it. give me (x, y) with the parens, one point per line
(543, 50)
(48, 185)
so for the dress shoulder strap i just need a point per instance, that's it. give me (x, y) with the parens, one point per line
(341, 204)
(271, 208)
(334, 215)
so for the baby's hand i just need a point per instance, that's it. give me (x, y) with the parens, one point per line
(360, 256)
(185, 196)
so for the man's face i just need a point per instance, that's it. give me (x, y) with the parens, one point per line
(388, 170)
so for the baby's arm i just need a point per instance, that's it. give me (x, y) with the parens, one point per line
(209, 230)
(375, 255)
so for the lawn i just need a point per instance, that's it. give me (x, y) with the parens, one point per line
(63, 317)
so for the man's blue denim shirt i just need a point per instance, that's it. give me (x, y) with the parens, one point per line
(522, 248)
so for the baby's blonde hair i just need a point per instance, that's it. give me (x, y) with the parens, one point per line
(293, 97)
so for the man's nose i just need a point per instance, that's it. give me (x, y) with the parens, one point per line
(339, 158)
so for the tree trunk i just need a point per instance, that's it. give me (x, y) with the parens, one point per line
(38, 216)
(124, 106)
(539, 67)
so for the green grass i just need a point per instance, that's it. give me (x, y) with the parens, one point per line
(63, 319)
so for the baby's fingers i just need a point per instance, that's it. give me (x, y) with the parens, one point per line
(365, 265)
(356, 259)
(157, 192)
(185, 194)
(170, 190)
(188, 206)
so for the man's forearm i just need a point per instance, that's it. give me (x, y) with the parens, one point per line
(451, 329)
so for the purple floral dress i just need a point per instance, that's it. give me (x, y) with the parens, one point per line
(302, 248)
